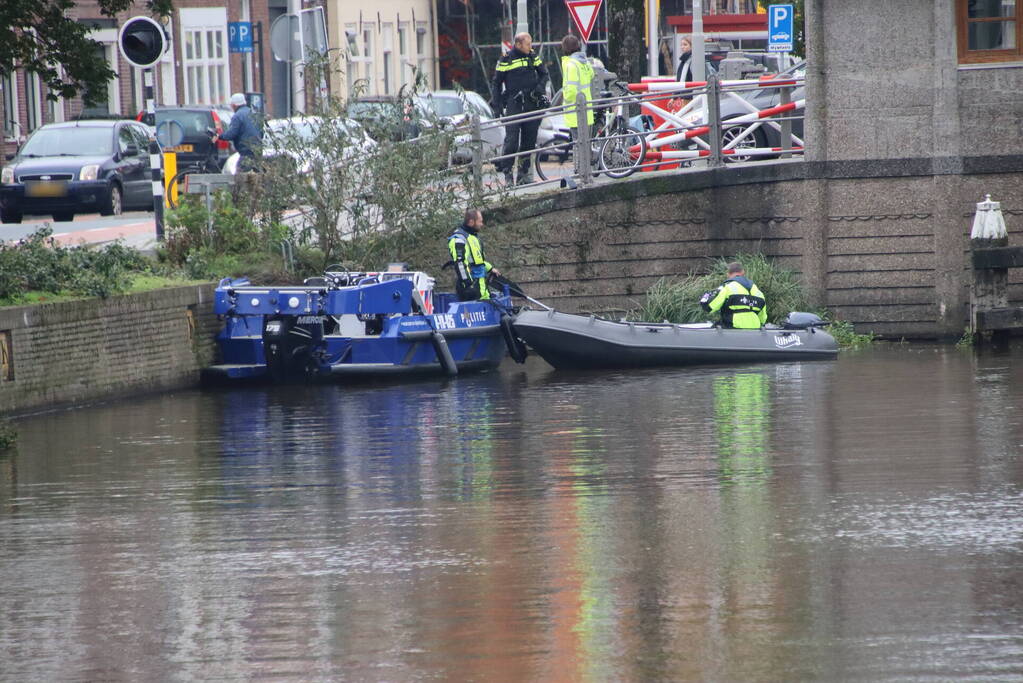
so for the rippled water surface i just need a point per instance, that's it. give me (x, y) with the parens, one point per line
(851, 520)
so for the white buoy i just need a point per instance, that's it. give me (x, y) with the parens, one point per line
(988, 223)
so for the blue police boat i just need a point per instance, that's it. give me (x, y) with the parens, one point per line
(348, 324)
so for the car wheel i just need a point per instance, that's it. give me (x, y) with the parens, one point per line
(9, 216)
(753, 140)
(113, 205)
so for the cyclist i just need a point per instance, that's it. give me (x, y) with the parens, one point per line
(244, 132)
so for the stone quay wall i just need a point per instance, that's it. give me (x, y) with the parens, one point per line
(83, 351)
(882, 244)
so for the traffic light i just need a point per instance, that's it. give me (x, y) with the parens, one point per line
(142, 41)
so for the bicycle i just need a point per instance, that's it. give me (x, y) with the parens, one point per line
(617, 150)
(208, 165)
(174, 187)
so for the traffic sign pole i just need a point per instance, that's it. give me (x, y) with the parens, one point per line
(155, 157)
(142, 42)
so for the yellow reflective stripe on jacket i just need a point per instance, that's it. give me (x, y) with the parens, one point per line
(577, 78)
(743, 317)
(519, 63)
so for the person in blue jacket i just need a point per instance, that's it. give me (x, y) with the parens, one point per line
(245, 132)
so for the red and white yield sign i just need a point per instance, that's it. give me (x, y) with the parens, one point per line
(584, 14)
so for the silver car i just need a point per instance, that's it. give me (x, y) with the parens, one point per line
(454, 108)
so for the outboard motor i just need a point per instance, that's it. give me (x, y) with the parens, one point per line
(797, 320)
(288, 345)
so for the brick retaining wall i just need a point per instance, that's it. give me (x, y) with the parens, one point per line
(76, 352)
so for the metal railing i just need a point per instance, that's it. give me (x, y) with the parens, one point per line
(687, 128)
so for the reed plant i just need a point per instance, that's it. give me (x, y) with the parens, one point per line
(678, 300)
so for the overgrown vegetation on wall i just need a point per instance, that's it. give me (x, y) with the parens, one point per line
(678, 300)
(40, 264)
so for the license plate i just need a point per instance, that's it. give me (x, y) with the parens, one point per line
(179, 148)
(46, 188)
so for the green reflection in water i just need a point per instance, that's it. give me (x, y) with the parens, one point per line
(475, 468)
(742, 412)
(595, 624)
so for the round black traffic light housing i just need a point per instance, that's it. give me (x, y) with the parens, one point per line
(142, 41)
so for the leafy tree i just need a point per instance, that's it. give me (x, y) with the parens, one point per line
(625, 45)
(41, 36)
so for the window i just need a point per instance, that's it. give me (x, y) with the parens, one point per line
(404, 65)
(34, 99)
(988, 31)
(388, 63)
(352, 59)
(367, 49)
(421, 47)
(9, 85)
(204, 55)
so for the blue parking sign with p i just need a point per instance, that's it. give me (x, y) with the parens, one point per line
(779, 28)
(239, 36)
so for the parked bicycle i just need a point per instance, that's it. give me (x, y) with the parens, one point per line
(177, 184)
(616, 149)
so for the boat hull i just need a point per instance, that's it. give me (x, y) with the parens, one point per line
(572, 341)
(381, 326)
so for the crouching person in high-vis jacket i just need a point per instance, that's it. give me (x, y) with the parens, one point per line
(471, 267)
(741, 302)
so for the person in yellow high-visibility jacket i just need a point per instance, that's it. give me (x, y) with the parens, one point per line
(471, 266)
(741, 302)
(577, 75)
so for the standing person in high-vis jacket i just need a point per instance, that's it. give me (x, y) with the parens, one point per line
(741, 302)
(577, 74)
(520, 86)
(471, 266)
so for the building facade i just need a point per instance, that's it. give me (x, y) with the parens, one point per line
(382, 45)
(198, 68)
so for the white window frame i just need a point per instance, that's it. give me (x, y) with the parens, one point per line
(404, 64)
(387, 63)
(369, 59)
(11, 125)
(422, 45)
(34, 103)
(205, 62)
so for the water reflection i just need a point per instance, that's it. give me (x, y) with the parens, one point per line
(858, 519)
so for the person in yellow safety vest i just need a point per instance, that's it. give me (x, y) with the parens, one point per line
(471, 266)
(741, 302)
(577, 75)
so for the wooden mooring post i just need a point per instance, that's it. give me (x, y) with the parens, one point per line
(991, 257)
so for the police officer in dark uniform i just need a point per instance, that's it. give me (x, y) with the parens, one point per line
(520, 85)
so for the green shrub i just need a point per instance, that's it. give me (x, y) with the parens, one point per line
(678, 301)
(846, 336)
(38, 263)
(8, 435)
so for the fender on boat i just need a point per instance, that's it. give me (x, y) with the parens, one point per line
(440, 346)
(516, 349)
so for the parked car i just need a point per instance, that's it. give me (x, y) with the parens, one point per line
(188, 131)
(383, 118)
(454, 108)
(76, 167)
(762, 98)
(296, 138)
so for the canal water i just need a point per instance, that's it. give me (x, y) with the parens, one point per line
(851, 520)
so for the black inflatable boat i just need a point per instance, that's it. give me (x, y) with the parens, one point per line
(566, 340)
